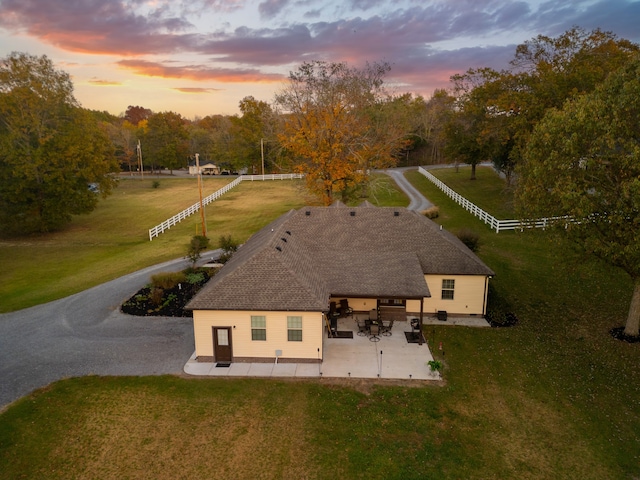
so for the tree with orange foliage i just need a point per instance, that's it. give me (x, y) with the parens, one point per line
(338, 126)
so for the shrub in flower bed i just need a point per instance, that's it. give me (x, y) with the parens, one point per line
(432, 212)
(168, 280)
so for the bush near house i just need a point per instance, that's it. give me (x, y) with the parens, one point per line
(229, 246)
(470, 238)
(433, 212)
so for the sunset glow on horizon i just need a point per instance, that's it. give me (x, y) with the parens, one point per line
(202, 57)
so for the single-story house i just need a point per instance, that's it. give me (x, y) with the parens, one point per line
(206, 169)
(270, 301)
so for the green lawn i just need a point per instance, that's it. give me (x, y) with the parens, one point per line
(553, 397)
(488, 191)
(384, 192)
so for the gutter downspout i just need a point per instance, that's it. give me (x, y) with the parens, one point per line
(486, 295)
(420, 321)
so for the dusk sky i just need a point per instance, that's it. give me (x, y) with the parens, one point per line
(201, 57)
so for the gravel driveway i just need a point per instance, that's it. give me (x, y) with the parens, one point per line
(417, 200)
(86, 334)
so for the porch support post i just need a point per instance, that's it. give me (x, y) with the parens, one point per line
(420, 320)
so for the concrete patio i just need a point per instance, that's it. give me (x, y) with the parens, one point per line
(392, 357)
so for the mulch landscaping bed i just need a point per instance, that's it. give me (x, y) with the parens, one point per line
(618, 333)
(167, 303)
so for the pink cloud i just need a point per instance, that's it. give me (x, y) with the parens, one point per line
(108, 83)
(410, 39)
(196, 90)
(198, 72)
(94, 26)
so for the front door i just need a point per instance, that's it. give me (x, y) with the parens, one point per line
(222, 344)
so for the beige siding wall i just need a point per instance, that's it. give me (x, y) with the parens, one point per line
(358, 304)
(243, 346)
(469, 296)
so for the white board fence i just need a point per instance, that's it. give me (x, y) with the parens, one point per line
(167, 224)
(493, 222)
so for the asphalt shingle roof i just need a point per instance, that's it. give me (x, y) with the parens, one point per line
(298, 261)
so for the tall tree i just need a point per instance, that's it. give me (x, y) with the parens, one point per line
(470, 129)
(218, 128)
(432, 120)
(584, 162)
(124, 137)
(249, 132)
(51, 150)
(201, 141)
(334, 127)
(134, 115)
(166, 140)
(546, 71)
(399, 118)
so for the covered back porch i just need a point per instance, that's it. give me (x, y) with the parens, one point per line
(380, 313)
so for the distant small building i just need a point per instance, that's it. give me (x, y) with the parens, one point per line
(206, 169)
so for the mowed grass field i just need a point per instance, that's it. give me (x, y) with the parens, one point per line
(553, 397)
(487, 191)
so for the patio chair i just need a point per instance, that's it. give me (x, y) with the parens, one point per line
(374, 332)
(345, 309)
(334, 325)
(415, 324)
(386, 329)
(362, 327)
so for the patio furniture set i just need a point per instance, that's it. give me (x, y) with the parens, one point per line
(373, 327)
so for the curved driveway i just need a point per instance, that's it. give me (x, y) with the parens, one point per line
(417, 200)
(86, 334)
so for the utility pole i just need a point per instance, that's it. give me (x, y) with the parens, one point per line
(204, 225)
(139, 149)
(262, 154)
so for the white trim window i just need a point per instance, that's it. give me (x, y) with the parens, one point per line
(258, 327)
(448, 288)
(294, 329)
